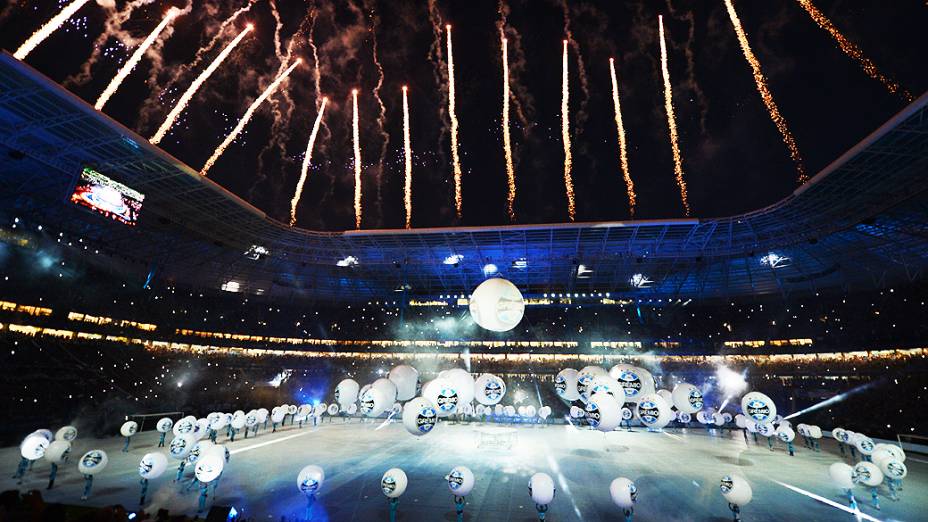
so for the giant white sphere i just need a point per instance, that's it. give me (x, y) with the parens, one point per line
(758, 406)
(199, 449)
(238, 423)
(868, 474)
(262, 414)
(463, 383)
(489, 389)
(766, 429)
(893, 449)
(347, 392)
(864, 445)
(497, 305)
(893, 468)
(565, 384)
(184, 426)
(332, 409)
(736, 490)
(128, 428)
(209, 467)
(603, 412)
(606, 384)
(785, 433)
(406, 378)
(460, 481)
(654, 411)
(541, 488)
(33, 447)
(92, 462)
(45, 433)
(152, 465)
(68, 433)
(57, 451)
(387, 387)
(393, 484)
(842, 475)
(419, 416)
(374, 402)
(687, 398)
(585, 379)
(442, 393)
(310, 479)
(277, 416)
(216, 422)
(181, 446)
(624, 492)
(636, 381)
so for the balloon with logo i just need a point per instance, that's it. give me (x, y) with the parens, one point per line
(489, 389)
(442, 393)
(892, 449)
(46, 434)
(128, 428)
(815, 432)
(530, 411)
(419, 416)
(277, 416)
(736, 490)
(238, 422)
(565, 384)
(892, 468)
(577, 412)
(541, 489)
(374, 402)
(33, 447)
(310, 480)
(510, 411)
(347, 392)
(387, 388)
(637, 382)
(393, 483)
(544, 412)
(603, 412)
(332, 409)
(262, 414)
(68, 433)
(666, 395)
(585, 379)
(209, 467)
(653, 411)
(57, 451)
(184, 426)
(741, 421)
(624, 493)
(152, 465)
(217, 422)
(685, 418)
(719, 420)
(497, 305)
(687, 398)
(199, 449)
(181, 446)
(842, 475)
(785, 434)
(865, 445)
(462, 382)
(606, 384)
(868, 474)
(766, 429)
(758, 406)
(460, 481)
(406, 379)
(93, 462)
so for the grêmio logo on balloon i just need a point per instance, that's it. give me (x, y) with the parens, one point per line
(758, 410)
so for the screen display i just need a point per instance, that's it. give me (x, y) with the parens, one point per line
(110, 198)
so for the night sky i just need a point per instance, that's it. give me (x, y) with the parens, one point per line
(733, 156)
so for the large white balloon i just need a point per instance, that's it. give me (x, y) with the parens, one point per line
(541, 488)
(277, 416)
(585, 379)
(736, 490)
(209, 467)
(33, 447)
(419, 416)
(128, 428)
(864, 445)
(310, 479)
(92, 462)
(460, 481)
(406, 379)
(463, 383)
(68, 433)
(184, 426)
(393, 484)
(624, 492)
(199, 449)
(238, 422)
(842, 475)
(153, 465)
(46, 434)
(497, 305)
(332, 409)
(868, 474)
(374, 402)
(565, 384)
(654, 411)
(893, 468)
(442, 393)
(603, 412)
(636, 381)
(687, 398)
(606, 384)
(758, 406)
(57, 451)
(181, 446)
(489, 389)
(387, 387)
(347, 392)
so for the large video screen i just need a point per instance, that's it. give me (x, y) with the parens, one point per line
(110, 198)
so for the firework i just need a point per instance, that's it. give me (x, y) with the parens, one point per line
(455, 155)
(381, 109)
(507, 142)
(135, 59)
(247, 117)
(188, 95)
(765, 94)
(565, 135)
(672, 121)
(46, 30)
(357, 160)
(307, 158)
(623, 153)
(850, 49)
(407, 157)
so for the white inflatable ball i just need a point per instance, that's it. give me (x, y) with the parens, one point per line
(687, 398)
(222, 451)
(530, 411)
(603, 412)
(653, 411)
(865, 445)
(262, 414)
(497, 305)
(347, 392)
(251, 419)
(332, 409)
(442, 393)
(736, 490)
(576, 412)
(129, 428)
(585, 379)
(606, 384)
(815, 432)
(842, 475)
(241, 413)
(374, 402)
(394, 482)
(68, 433)
(838, 434)
(319, 409)
(460, 481)
(463, 384)
(894, 450)
(238, 422)
(57, 451)
(93, 462)
(868, 474)
(209, 467)
(544, 412)
(276, 416)
(719, 420)
(741, 421)
(217, 423)
(521, 411)
(44, 433)
(499, 410)
(199, 449)
(666, 395)
(419, 416)
(636, 382)
(565, 384)
(785, 434)
(685, 418)
(510, 411)
(624, 492)
(152, 465)
(893, 468)
(310, 479)
(758, 406)
(406, 379)
(291, 409)
(480, 410)
(541, 489)
(766, 429)
(164, 425)
(181, 446)
(489, 389)
(33, 447)
(352, 409)
(387, 388)
(184, 426)
(750, 424)
(201, 428)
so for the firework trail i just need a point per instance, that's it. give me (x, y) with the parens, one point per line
(672, 121)
(623, 156)
(407, 157)
(382, 110)
(46, 30)
(565, 136)
(307, 158)
(455, 155)
(765, 94)
(581, 69)
(317, 70)
(246, 118)
(135, 58)
(691, 82)
(850, 49)
(516, 66)
(439, 71)
(507, 142)
(357, 159)
(195, 86)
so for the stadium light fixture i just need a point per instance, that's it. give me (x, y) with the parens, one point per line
(640, 281)
(774, 260)
(583, 272)
(231, 286)
(490, 269)
(453, 259)
(348, 261)
(256, 252)
(520, 263)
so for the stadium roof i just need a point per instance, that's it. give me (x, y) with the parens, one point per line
(860, 222)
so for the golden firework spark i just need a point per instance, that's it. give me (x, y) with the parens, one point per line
(565, 136)
(135, 59)
(455, 155)
(46, 30)
(672, 122)
(623, 155)
(407, 157)
(307, 159)
(507, 140)
(765, 94)
(357, 160)
(854, 52)
(247, 117)
(201, 79)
